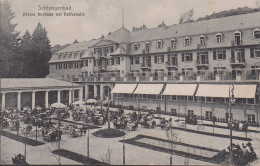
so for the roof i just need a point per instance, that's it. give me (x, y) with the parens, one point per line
(72, 48)
(230, 23)
(34, 83)
(122, 35)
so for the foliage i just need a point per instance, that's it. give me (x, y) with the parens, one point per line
(232, 12)
(109, 133)
(186, 17)
(8, 42)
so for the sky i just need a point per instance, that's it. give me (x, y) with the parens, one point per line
(104, 16)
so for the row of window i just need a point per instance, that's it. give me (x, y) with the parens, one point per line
(202, 40)
(69, 65)
(190, 98)
(104, 50)
(70, 54)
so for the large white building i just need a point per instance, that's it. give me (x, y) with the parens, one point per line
(182, 69)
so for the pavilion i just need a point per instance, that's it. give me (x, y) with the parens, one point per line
(43, 87)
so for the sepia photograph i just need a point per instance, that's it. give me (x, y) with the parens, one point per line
(130, 82)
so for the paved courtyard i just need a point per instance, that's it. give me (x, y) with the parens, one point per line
(99, 147)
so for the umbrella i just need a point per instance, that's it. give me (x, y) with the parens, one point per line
(79, 102)
(106, 101)
(91, 101)
(58, 105)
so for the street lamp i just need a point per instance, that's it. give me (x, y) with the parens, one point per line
(231, 101)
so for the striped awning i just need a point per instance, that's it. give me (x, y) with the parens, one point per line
(124, 88)
(214, 90)
(180, 89)
(149, 89)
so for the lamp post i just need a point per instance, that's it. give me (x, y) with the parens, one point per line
(231, 101)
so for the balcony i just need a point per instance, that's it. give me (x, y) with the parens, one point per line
(201, 46)
(236, 43)
(203, 62)
(145, 65)
(173, 64)
(237, 62)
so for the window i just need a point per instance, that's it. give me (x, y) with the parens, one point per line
(136, 60)
(255, 52)
(173, 44)
(159, 97)
(208, 115)
(219, 37)
(209, 99)
(186, 57)
(256, 33)
(202, 40)
(85, 62)
(219, 70)
(202, 57)
(151, 96)
(117, 61)
(111, 48)
(173, 111)
(187, 71)
(147, 47)
(227, 116)
(187, 41)
(237, 38)
(135, 46)
(159, 59)
(190, 98)
(219, 55)
(159, 44)
(145, 96)
(251, 118)
(190, 112)
(174, 98)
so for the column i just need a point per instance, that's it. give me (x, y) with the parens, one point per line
(80, 96)
(101, 92)
(3, 101)
(95, 91)
(86, 91)
(33, 99)
(58, 95)
(46, 99)
(19, 101)
(70, 96)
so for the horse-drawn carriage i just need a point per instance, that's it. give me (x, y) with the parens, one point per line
(19, 160)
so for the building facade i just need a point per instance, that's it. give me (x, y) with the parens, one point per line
(221, 51)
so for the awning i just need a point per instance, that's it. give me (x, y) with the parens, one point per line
(124, 88)
(149, 89)
(180, 89)
(213, 90)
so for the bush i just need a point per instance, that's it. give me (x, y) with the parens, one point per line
(109, 133)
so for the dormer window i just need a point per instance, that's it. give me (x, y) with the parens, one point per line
(173, 43)
(70, 54)
(219, 37)
(59, 56)
(135, 46)
(237, 38)
(75, 54)
(256, 33)
(159, 44)
(202, 40)
(147, 47)
(187, 41)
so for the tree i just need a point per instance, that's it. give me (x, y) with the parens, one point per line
(27, 54)
(75, 41)
(9, 41)
(187, 17)
(42, 52)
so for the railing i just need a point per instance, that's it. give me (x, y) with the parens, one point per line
(236, 43)
(171, 63)
(145, 65)
(223, 75)
(202, 62)
(237, 61)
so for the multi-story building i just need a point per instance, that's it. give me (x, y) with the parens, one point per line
(184, 68)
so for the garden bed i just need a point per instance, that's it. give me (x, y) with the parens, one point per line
(22, 139)
(109, 133)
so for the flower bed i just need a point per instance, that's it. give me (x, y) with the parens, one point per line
(109, 133)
